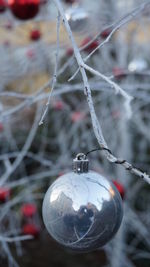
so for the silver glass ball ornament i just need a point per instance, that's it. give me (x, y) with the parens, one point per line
(82, 210)
(78, 18)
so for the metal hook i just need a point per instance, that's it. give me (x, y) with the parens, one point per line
(81, 156)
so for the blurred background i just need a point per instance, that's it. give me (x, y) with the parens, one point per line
(32, 156)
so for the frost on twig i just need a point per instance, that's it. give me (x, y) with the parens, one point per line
(87, 90)
(55, 72)
(32, 157)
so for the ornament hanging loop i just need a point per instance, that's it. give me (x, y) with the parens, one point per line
(81, 156)
(80, 163)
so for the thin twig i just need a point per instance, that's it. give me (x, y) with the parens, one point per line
(96, 125)
(54, 80)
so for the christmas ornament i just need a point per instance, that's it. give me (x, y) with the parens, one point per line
(3, 6)
(24, 9)
(35, 35)
(82, 210)
(139, 64)
(4, 194)
(77, 18)
(31, 229)
(120, 188)
(28, 209)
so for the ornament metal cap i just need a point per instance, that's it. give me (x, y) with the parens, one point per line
(80, 163)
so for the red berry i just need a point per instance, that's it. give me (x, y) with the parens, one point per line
(77, 116)
(105, 33)
(28, 209)
(3, 6)
(116, 114)
(120, 188)
(1, 127)
(31, 54)
(6, 43)
(91, 46)
(9, 25)
(61, 173)
(69, 52)
(35, 35)
(118, 72)
(4, 193)
(58, 105)
(24, 9)
(31, 229)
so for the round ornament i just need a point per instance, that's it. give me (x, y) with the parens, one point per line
(82, 210)
(78, 18)
(24, 9)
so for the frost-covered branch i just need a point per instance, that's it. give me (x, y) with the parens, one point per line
(87, 90)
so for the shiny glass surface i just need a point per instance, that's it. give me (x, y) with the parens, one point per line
(82, 211)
